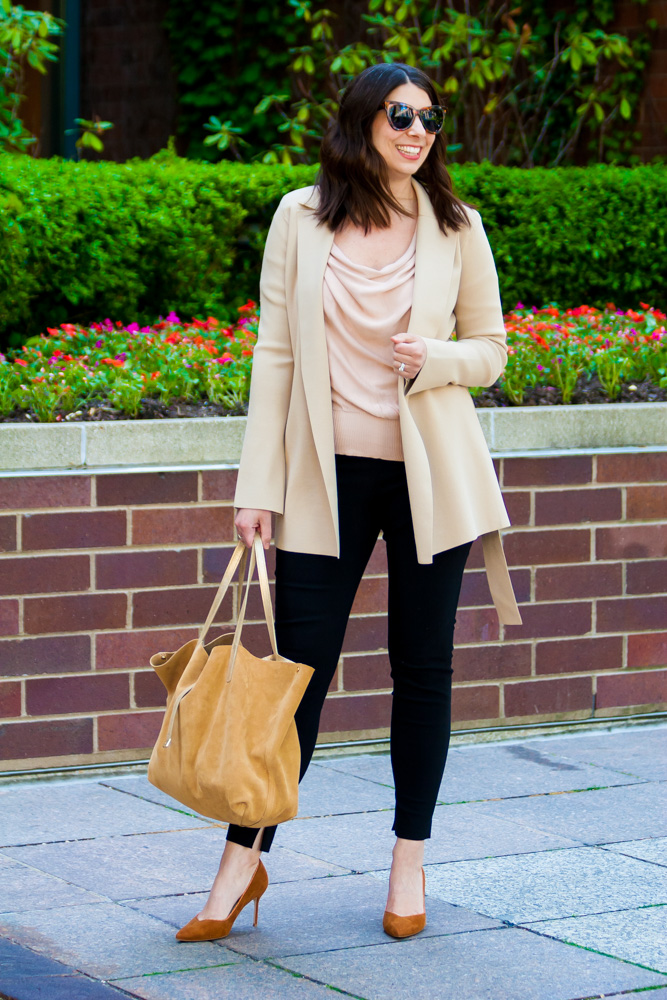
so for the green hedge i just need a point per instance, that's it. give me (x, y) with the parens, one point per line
(83, 241)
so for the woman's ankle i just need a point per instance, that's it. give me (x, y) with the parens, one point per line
(408, 853)
(239, 856)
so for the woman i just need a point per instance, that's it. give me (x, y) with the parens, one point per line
(360, 422)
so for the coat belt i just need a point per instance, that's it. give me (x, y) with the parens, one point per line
(498, 577)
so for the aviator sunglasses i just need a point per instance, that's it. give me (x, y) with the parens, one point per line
(401, 116)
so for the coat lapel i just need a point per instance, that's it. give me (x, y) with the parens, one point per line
(434, 261)
(313, 248)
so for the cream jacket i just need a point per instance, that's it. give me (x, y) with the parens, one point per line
(288, 464)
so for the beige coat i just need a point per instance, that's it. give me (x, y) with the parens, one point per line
(288, 464)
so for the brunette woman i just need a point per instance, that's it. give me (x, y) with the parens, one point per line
(361, 422)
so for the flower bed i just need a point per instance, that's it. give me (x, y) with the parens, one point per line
(174, 368)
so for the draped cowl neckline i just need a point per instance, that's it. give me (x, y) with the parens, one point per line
(363, 308)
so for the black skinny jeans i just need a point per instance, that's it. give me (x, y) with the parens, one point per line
(314, 596)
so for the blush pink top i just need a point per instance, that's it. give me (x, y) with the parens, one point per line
(363, 308)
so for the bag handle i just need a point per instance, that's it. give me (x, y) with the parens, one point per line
(256, 556)
(237, 555)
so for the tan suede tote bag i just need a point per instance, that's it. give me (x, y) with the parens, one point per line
(228, 746)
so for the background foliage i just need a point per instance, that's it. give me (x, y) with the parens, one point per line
(226, 54)
(83, 241)
(533, 84)
(24, 41)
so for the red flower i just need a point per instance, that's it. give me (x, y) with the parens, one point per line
(20, 361)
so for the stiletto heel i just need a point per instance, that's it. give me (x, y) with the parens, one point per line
(210, 930)
(401, 927)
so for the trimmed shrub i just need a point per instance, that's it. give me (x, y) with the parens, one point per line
(83, 241)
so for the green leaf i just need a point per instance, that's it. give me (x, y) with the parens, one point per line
(626, 110)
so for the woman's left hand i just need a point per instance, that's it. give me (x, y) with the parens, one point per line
(409, 351)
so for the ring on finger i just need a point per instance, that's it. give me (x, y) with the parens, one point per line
(401, 367)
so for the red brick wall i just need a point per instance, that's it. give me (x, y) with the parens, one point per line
(97, 572)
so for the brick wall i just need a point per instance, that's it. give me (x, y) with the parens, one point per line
(127, 76)
(99, 571)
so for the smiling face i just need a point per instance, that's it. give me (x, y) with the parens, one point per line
(403, 152)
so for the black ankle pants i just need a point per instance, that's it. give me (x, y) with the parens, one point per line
(314, 596)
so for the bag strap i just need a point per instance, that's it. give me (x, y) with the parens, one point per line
(237, 555)
(256, 556)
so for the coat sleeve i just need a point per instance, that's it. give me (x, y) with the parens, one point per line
(479, 353)
(261, 479)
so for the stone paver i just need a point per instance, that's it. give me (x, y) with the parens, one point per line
(546, 880)
(139, 786)
(364, 842)
(30, 976)
(511, 964)
(242, 981)
(490, 772)
(638, 751)
(551, 884)
(23, 887)
(648, 850)
(149, 865)
(35, 814)
(634, 935)
(107, 940)
(296, 917)
(604, 816)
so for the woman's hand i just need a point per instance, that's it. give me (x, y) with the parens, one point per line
(410, 351)
(249, 521)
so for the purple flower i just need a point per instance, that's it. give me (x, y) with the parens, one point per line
(98, 343)
(145, 329)
(540, 368)
(120, 357)
(172, 318)
(132, 328)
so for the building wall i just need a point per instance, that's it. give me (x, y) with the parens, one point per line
(126, 75)
(100, 571)
(652, 119)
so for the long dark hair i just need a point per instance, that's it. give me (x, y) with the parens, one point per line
(353, 181)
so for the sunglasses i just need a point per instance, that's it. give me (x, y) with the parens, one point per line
(401, 116)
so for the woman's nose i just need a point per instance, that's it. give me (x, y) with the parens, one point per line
(416, 128)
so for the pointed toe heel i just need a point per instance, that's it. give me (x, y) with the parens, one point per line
(402, 927)
(211, 930)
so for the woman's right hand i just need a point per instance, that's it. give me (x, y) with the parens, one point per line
(248, 521)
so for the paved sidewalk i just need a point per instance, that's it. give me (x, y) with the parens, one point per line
(546, 879)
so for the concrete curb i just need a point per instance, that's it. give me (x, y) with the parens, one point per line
(218, 440)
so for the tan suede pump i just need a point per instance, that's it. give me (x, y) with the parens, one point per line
(402, 927)
(210, 930)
